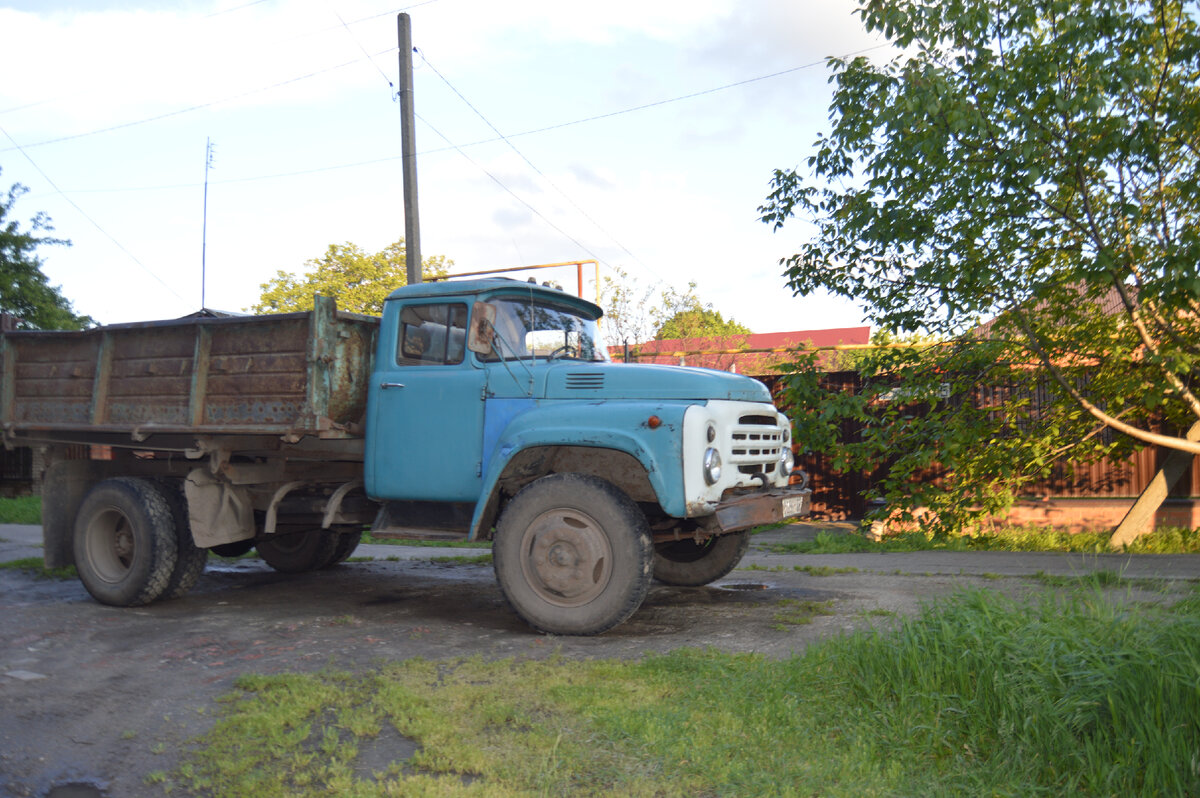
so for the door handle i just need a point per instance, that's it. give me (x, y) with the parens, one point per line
(386, 385)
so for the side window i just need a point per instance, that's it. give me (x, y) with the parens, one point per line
(432, 335)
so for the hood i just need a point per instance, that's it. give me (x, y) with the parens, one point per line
(622, 381)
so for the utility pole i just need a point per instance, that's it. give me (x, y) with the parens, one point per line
(408, 147)
(208, 161)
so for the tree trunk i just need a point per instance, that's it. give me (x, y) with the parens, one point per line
(1140, 518)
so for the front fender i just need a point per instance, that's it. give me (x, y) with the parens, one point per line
(620, 426)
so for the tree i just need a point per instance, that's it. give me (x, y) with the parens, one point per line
(1033, 162)
(25, 293)
(699, 323)
(359, 281)
(632, 315)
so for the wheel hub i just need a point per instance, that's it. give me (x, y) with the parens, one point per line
(567, 557)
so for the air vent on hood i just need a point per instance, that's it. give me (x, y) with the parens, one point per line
(585, 381)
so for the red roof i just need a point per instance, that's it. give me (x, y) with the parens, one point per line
(754, 354)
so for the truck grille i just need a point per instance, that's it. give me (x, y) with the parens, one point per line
(755, 444)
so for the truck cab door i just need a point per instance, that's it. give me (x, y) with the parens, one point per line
(425, 407)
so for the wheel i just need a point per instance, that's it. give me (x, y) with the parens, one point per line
(297, 552)
(573, 554)
(235, 549)
(125, 549)
(190, 558)
(690, 564)
(347, 542)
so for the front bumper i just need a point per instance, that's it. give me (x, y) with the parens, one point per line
(769, 507)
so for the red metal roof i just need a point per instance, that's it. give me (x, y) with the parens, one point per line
(755, 354)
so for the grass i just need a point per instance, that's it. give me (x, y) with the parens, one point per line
(794, 612)
(479, 559)
(21, 510)
(1163, 541)
(37, 567)
(441, 544)
(1075, 692)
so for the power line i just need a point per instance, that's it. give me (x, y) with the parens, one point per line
(83, 213)
(532, 166)
(455, 147)
(514, 195)
(190, 108)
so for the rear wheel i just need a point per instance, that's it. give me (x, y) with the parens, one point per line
(687, 563)
(125, 542)
(297, 552)
(573, 554)
(347, 542)
(190, 558)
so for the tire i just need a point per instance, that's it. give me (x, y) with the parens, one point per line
(298, 552)
(347, 542)
(124, 542)
(686, 563)
(573, 555)
(190, 558)
(234, 549)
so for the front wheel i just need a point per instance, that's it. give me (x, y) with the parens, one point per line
(573, 554)
(687, 563)
(125, 542)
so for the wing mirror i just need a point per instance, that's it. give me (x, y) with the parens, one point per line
(482, 336)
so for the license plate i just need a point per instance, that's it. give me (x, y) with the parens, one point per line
(793, 505)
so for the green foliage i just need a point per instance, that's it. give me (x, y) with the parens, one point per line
(699, 323)
(358, 280)
(1162, 541)
(1079, 692)
(1036, 163)
(21, 510)
(37, 567)
(24, 290)
(634, 315)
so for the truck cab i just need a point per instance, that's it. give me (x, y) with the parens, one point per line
(494, 412)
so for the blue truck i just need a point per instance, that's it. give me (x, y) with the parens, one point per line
(475, 410)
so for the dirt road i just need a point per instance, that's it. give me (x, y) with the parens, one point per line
(98, 696)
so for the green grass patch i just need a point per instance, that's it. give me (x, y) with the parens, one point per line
(37, 567)
(977, 695)
(479, 559)
(21, 510)
(439, 544)
(1163, 541)
(794, 612)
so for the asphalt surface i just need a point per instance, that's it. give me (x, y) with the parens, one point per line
(20, 541)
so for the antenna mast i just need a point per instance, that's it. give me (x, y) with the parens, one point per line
(208, 162)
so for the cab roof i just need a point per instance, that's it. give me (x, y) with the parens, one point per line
(494, 286)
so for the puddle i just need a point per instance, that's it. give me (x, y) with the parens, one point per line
(743, 586)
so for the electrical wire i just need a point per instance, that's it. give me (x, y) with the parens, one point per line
(458, 147)
(179, 111)
(532, 166)
(84, 214)
(514, 195)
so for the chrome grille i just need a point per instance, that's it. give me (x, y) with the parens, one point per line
(755, 444)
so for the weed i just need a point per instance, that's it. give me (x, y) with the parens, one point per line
(823, 570)
(479, 559)
(795, 612)
(37, 567)
(21, 510)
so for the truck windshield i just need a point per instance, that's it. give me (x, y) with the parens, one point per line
(535, 329)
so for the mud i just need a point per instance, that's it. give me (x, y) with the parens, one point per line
(93, 698)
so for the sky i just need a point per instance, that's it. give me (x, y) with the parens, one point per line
(547, 132)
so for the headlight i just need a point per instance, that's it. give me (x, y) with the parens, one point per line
(787, 461)
(712, 466)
